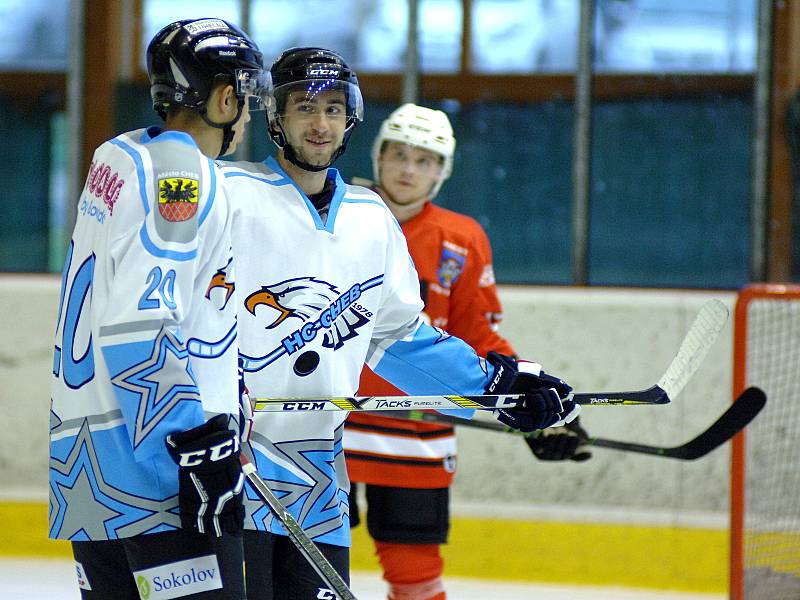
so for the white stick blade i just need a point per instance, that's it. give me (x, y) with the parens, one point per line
(698, 341)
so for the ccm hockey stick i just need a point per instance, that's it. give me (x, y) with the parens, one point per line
(732, 421)
(701, 336)
(330, 577)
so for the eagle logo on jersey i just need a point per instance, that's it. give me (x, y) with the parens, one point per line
(299, 297)
(320, 307)
(177, 198)
(220, 281)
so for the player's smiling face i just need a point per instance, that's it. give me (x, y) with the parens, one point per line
(408, 173)
(315, 127)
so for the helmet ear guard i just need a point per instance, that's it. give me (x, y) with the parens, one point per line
(420, 127)
(311, 71)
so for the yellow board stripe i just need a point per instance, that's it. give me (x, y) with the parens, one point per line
(692, 560)
(661, 558)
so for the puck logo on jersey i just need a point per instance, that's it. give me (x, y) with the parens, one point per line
(451, 264)
(177, 198)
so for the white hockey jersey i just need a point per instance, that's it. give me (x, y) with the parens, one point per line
(145, 343)
(317, 299)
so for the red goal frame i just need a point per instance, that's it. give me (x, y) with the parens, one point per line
(738, 456)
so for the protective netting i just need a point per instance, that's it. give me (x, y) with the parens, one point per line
(772, 464)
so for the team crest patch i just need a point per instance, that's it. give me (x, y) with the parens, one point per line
(177, 198)
(451, 264)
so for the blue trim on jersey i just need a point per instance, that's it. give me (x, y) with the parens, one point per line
(433, 363)
(276, 182)
(351, 200)
(148, 244)
(336, 199)
(167, 136)
(137, 160)
(160, 252)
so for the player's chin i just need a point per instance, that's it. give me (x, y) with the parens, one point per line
(403, 196)
(319, 159)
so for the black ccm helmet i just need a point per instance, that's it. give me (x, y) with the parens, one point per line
(187, 58)
(310, 71)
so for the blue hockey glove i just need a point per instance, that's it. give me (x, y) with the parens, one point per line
(544, 404)
(210, 478)
(560, 443)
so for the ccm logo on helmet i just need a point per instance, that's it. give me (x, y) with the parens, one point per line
(215, 453)
(332, 72)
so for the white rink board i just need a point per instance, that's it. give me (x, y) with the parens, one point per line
(609, 340)
(596, 339)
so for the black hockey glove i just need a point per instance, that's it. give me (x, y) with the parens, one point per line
(210, 478)
(544, 404)
(560, 443)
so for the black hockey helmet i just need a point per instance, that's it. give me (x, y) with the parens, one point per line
(187, 58)
(310, 71)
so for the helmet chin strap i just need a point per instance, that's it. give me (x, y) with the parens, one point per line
(227, 128)
(290, 155)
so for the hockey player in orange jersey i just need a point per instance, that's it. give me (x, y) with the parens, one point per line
(408, 466)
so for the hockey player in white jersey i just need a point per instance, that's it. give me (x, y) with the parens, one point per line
(326, 284)
(144, 444)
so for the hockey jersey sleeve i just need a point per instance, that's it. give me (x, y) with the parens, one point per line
(157, 290)
(475, 309)
(413, 356)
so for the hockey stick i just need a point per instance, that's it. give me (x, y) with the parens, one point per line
(732, 421)
(307, 548)
(698, 341)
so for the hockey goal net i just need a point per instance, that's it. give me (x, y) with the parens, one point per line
(765, 468)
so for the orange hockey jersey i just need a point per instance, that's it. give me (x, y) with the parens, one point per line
(454, 260)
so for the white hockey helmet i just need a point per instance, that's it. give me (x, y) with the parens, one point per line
(421, 127)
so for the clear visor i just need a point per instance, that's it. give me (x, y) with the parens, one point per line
(312, 97)
(256, 86)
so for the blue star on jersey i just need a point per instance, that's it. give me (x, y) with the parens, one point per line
(299, 472)
(109, 512)
(145, 382)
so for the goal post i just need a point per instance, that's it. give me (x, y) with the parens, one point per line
(765, 463)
